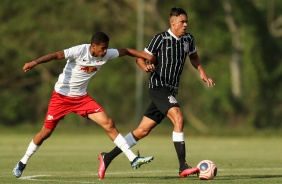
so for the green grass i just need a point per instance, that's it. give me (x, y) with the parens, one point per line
(72, 158)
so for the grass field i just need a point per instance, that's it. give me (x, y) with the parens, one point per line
(72, 158)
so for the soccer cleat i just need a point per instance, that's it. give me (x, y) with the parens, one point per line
(18, 170)
(102, 167)
(138, 161)
(188, 171)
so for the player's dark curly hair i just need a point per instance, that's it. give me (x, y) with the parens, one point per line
(176, 12)
(99, 37)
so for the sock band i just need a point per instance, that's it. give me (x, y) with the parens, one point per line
(177, 136)
(130, 140)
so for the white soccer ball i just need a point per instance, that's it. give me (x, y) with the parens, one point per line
(207, 170)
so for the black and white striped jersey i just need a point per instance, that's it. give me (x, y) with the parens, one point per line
(171, 53)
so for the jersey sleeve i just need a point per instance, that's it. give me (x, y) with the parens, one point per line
(112, 54)
(154, 45)
(192, 47)
(73, 52)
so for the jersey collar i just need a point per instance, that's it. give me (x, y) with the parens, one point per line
(170, 32)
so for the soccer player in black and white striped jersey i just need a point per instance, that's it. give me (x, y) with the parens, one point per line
(170, 49)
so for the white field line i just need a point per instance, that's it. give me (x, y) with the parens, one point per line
(34, 178)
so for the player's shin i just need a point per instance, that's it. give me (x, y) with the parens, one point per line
(122, 144)
(31, 149)
(179, 144)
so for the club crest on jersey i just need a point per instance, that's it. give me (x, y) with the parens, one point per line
(89, 69)
(186, 46)
(171, 99)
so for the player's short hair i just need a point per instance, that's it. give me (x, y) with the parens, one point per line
(99, 37)
(176, 12)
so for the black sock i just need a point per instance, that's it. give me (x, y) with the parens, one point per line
(181, 153)
(113, 154)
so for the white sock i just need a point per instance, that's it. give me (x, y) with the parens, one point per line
(31, 149)
(177, 136)
(130, 140)
(122, 144)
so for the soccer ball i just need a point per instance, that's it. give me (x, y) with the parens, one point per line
(207, 170)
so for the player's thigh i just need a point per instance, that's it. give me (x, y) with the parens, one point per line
(163, 99)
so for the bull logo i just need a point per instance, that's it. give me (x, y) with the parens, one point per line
(89, 69)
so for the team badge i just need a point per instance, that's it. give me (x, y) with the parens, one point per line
(172, 99)
(186, 46)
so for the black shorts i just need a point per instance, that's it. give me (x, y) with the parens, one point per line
(162, 101)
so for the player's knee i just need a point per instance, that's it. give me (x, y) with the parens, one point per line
(109, 124)
(47, 134)
(178, 123)
(179, 120)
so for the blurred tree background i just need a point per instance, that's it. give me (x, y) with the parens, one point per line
(238, 41)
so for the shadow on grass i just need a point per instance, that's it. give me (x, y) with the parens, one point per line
(162, 177)
(226, 177)
(236, 177)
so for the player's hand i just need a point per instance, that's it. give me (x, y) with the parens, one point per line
(28, 66)
(150, 67)
(207, 79)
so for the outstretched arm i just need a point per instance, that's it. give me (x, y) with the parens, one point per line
(194, 59)
(135, 53)
(53, 56)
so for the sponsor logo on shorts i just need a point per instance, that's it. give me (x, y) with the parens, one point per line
(172, 99)
(96, 110)
(50, 117)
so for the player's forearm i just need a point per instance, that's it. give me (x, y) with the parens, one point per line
(200, 68)
(139, 54)
(49, 57)
(141, 63)
(196, 63)
(57, 55)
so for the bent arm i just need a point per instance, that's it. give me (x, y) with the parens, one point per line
(53, 56)
(142, 64)
(145, 66)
